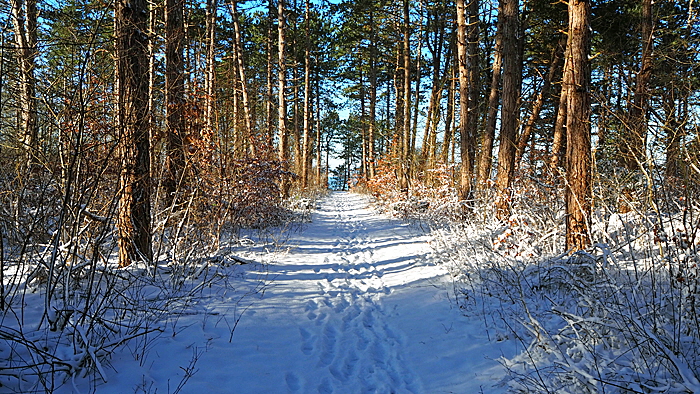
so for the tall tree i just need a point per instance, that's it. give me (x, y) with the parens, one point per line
(282, 102)
(405, 158)
(577, 74)
(487, 138)
(509, 106)
(131, 52)
(210, 73)
(467, 41)
(306, 143)
(24, 18)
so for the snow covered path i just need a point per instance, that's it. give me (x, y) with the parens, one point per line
(354, 307)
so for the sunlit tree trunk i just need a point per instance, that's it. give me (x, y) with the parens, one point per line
(282, 102)
(448, 139)
(578, 195)
(269, 99)
(437, 89)
(406, 135)
(131, 51)
(372, 121)
(24, 17)
(305, 163)
(466, 134)
(559, 141)
(210, 73)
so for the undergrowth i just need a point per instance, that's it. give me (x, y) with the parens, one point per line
(620, 317)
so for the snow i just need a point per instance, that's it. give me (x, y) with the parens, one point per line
(354, 302)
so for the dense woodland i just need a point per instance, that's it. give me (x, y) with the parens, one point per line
(129, 128)
(136, 111)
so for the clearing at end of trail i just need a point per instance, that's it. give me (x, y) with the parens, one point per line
(355, 306)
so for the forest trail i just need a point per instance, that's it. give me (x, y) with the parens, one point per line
(355, 306)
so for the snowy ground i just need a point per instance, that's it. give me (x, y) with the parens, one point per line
(355, 305)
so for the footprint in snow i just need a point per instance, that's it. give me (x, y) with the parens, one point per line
(307, 345)
(325, 387)
(292, 381)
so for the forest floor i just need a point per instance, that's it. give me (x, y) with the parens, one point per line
(352, 302)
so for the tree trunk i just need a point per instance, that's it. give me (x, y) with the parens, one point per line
(397, 140)
(282, 103)
(448, 139)
(416, 101)
(474, 90)
(210, 73)
(24, 16)
(487, 138)
(319, 183)
(406, 140)
(269, 99)
(431, 121)
(175, 99)
(307, 104)
(467, 134)
(509, 107)
(559, 141)
(134, 214)
(372, 105)
(578, 128)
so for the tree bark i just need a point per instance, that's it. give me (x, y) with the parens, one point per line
(487, 138)
(559, 141)
(282, 103)
(509, 107)
(436, 49)
(406, 140)
(269, 99)
(465, 52)
(134, 214)
(210, 78)
(448, 139)
(371, 131)
(24, 17)
(307, 103)
(578, 195)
